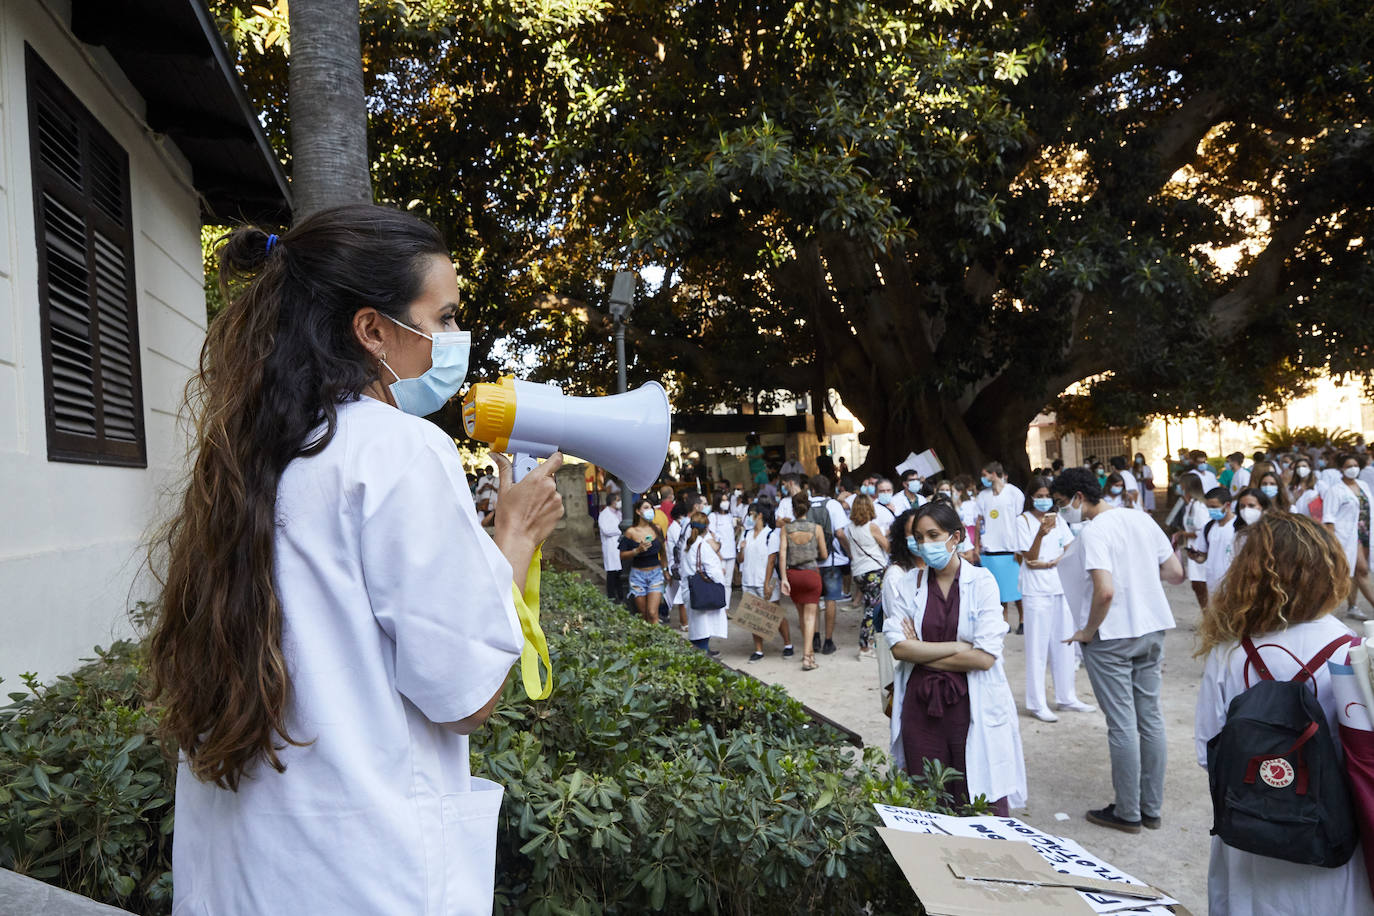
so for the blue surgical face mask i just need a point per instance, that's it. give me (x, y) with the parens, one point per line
(913, 545)
(936, 555)
(1269, 490)
(884, 498)
(647, 514)
(427, 392)
(985, 481)
(868, 489)
(1116, 491)
(1321, 464)
(1217, 514)
(913, 485)
(1043, 504)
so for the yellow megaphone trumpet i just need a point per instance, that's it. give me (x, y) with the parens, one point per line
(626, 434)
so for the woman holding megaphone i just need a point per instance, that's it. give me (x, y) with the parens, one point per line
(334, 623)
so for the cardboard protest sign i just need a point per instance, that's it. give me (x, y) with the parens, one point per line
(1064, 856)
(762, 618)
(930, 863)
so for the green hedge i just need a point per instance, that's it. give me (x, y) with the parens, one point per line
(652, 779)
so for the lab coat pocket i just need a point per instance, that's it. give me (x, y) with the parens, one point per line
(470, 848)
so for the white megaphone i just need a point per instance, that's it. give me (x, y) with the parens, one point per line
(627, 434)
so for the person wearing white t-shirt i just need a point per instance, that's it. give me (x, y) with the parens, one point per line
(1042, 537)
(758, 569)
(1130, 495)
(908, 495)
(1240, 474)
(792, 466)
(999, 503)
(1121, 611)
(1217, 540)
(1203, 470)
(887, 504)
(332, 633)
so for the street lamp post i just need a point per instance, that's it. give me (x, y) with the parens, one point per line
(622, 302)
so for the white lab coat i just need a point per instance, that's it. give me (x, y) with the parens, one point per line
(723, 528)
(996, 767)
(397, 614)
(1341, 508)
(608, 526)
(1195, 519)
(711, 622)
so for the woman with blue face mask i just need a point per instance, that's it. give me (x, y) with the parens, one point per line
(1271, 485)
(1042, 538)
(642, 547)
(334, 623)
(951, 700)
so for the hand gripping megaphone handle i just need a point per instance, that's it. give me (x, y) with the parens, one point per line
(521, 465)
(535, 648)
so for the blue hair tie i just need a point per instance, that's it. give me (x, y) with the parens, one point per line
(271, 240)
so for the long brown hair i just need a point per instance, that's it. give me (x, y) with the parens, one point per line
(1287, 569)
(274, 366)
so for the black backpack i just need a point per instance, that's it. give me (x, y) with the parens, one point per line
(1278, 785)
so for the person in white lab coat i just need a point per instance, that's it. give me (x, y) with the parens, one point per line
(702, 555)
(1145, 477)
(1041, 539)
(334, 623)
(725, 530)
(1303, 489)
(951, 699)
(1286, 581)
(1346, 505)
(608, 528)
(1194, 519)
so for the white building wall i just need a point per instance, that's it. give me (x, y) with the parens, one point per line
(72, 535)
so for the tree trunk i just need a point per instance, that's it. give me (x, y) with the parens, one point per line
(878, 372)
(329, 159)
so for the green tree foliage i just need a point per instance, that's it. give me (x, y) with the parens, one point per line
(948, 211)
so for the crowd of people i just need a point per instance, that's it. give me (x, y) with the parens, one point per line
(941, 566)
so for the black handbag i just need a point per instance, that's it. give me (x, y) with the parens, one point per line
(705, 593)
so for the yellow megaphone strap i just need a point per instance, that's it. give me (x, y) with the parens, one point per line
(536, 648)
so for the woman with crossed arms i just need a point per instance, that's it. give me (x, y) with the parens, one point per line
(951, 699)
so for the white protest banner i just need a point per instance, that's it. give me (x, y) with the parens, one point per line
(926, 464)
(762, 618)
(1066, 856)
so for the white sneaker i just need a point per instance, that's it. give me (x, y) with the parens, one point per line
(1355, 613)
(1044, 715)
(1077, 706)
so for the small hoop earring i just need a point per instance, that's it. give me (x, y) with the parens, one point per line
(384, 356)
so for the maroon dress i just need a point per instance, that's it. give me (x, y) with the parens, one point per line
(936, 712)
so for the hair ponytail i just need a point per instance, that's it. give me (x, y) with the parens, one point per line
(274, 366)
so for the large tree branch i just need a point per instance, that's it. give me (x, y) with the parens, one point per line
(1230, 313)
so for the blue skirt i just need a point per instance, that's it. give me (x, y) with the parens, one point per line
(1007, 572)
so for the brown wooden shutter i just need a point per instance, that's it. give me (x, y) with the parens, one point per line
(86, 292)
